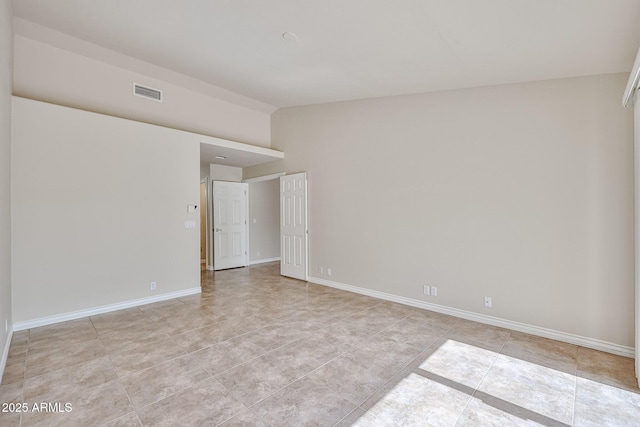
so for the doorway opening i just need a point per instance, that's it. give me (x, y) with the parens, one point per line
(264, 242)
(264, 219)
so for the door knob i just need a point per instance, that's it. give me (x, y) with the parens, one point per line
(218, 229)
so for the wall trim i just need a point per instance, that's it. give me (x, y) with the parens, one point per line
(63, 317)
(5, 353)
(592, 343)
(264, 260)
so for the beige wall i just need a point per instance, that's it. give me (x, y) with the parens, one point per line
(520, 192)
(6, 70)
(225, 173)
(105, 214)
(55, 75)
(264, 220)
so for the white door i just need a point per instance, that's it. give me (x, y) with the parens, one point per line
(293, 226)
(229, 224)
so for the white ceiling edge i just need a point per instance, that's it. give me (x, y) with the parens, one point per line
(240, 146)
(237, 154)
(64, 41)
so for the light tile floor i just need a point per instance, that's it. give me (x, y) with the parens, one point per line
(257, 349)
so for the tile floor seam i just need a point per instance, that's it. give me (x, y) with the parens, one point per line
(297, 379)
(191, 386)
(117, 418)
(389, 325)
(575, 378)
(71, 365)
(466, 405)
(476, 389)
(26, 361)
(359, 405)
(138, 418)
(347, 416)
(240, 336)
(147, 368)
(277, 391)
(363, 310)
(234, 415)
(574, 375)
(575, 398)
(135, 408)
(168, 396)
(368, 396)
(230, 368)
(575, 393)
(128, 397)
(24, 374)
(114, 367)
(246, 408)
(498, 353)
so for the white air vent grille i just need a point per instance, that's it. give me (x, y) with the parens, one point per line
(147, 92)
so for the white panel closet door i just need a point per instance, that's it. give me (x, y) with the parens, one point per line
(293, 226)
(229, 224)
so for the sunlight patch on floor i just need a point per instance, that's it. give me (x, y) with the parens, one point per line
(416, 401)
(464, 385)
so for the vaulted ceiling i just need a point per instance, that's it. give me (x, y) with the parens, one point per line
(297, 52)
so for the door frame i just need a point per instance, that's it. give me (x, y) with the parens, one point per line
(273, 176)
(209, 222)
(206, 224)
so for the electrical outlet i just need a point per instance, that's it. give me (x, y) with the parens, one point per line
(434, 291)
(321, 270)
(153, 286)
(487, 302)
(258, 254)
(426, 290)
(328, 272)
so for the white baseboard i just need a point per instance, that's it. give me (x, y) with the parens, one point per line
(5, 353)
(57, 318)
(592, 343)
(210, 267)
(264, 260)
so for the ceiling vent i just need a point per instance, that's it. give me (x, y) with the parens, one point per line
(147, 92)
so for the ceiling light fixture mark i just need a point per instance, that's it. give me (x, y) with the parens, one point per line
(292, 37)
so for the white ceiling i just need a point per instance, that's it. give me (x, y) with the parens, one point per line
(352, 49)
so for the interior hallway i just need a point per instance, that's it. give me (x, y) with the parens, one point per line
(257, 349)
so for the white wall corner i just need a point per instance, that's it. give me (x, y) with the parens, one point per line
(5, 353)
(587, 342)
